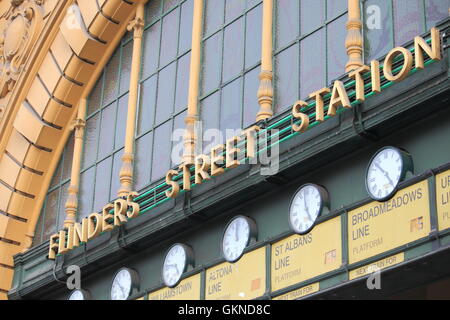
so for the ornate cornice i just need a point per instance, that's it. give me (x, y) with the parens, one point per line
(46, 66)
(20, 27)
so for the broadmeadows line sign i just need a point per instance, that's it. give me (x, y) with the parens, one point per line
(208, 166)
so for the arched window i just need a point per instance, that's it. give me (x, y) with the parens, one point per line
(162, 108)
(308, 53)
(53, 210)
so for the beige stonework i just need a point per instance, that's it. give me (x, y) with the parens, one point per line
(51, 53)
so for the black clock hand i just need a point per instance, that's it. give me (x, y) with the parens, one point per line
(306, 208)
(172, 266)
(380, 168)
(385, 173)
(121, 289)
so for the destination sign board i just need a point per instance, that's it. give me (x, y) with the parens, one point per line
(381, 226)
(299, 258)
(299, 293)
(188, 289)
(242, 280)
(443, 199)
(378, 265)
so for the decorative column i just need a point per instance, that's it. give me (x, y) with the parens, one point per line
(72, 198)
(265, 91)
(126, 172)
(194, 76)
(354, 41)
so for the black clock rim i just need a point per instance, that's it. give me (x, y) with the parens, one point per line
(324, 202)
(134, 280)
(189, 261)
(405, 156)
(253, 233)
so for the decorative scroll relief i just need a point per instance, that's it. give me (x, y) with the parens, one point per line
(20, 27)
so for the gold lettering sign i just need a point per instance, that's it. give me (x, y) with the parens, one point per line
(208, 166)
(381, 226)
(379, 265)
(299, 293)
(299, 258)
(93, 225)
(443, 199)
(187, 289)
(243, 280)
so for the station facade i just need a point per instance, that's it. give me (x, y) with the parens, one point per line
(224, 149)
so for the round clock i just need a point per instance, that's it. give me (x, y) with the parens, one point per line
(79, 294)
(238, 234)
(306, 206)
(387, 168)
(178, 259)
(123, 284)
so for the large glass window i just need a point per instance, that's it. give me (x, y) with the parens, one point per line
(230, 65)
(162, 109)
(309, 47)
(53, 212)
(105, 132)
(391, 23)
(231, 53)
(164, 87)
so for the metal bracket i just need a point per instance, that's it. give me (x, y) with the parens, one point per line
(263, 124)
(60, 268)
(121, 242)
(358, 125)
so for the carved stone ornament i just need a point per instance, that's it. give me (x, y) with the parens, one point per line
(19, 29)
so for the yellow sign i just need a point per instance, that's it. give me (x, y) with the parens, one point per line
(299, 293)
(378, 227)
(243, 280)
(443, 199)
(379, 265)
(299, 258)
(188, 289)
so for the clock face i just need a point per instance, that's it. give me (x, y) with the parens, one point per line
(175, 264)
(77, 295)
(306, 207)
(122, 285)
(384, 173)
(236, 238)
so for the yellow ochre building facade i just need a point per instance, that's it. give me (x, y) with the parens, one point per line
(224, 149)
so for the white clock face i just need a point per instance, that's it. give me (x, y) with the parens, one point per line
(174, 265)
(76, 295)
(121, 287)
(305, 208)
(384, 173)
(235, 239)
